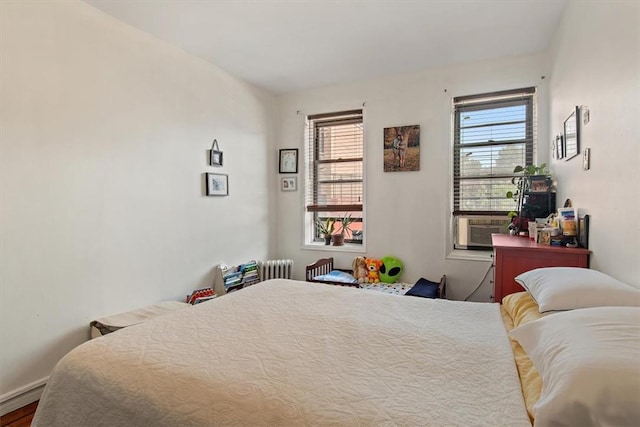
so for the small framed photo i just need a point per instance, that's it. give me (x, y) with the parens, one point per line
(289, 160)
(217, 184)
(560, 146)
(567, 213)
(289, 183)
(216, 158)
(583, 231)
(557, 147)
(215, 155)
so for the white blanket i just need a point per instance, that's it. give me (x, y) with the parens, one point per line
(283, 353)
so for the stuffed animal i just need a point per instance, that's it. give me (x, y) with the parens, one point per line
(360, 271)
(373, 265)
(391, 269)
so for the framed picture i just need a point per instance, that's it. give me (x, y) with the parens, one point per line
(558, 147)
(215, 155)
(289, 160)
(572, 134)
(216, 158)
(583, 231)
(217, 184)
(401, 148)
(289, 183)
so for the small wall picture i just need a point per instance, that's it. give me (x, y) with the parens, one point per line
(215, 155)
(289, 184)
(216, 158)
(559, 147)
(288, 160)
(401, 145)
(217, 184)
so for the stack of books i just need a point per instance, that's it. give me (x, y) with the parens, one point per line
(200, 295)
(232, 279)
(249, 273)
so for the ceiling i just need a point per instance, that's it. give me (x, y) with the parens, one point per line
(290, 45)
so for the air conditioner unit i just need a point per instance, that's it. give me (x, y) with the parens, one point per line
(480, 234)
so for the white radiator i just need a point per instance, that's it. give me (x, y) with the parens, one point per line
(275, 269)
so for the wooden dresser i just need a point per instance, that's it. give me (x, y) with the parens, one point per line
(514, 255)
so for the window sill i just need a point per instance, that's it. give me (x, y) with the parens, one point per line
(347, 247)
(466, 255)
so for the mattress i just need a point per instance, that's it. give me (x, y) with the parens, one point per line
(284, 352)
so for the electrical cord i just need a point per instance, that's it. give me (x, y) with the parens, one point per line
(479, 284)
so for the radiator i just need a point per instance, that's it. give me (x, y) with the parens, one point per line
(275, 269)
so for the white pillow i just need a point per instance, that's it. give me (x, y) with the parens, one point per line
(567, 288)
(589, 362)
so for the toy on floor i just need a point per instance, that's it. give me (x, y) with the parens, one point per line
(391, 269)
(373, 265)
(360, 271)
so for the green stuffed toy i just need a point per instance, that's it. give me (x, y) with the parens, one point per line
(391, 269)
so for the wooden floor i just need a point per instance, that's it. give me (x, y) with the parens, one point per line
(20, 417)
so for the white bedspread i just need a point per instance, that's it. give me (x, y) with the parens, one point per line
(283, 353)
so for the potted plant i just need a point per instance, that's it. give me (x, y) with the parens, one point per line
(523, 184)
(345, 222)
(325, 228)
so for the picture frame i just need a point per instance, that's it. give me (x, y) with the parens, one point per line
(401, 148)
(572, 134)
(289, 183)
(217, 184)
(568, 212)
(559, 147)
(215, 155)
(215, 158)
(288, 160)
(583, 231)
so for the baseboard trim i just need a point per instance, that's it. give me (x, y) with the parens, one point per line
(22, 396)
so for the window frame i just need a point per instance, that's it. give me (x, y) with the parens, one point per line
(312, 163)
(487, 101)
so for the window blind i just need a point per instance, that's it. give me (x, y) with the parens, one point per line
(334, 162)
(493, 133)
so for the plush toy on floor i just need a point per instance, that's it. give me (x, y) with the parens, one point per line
(360, 271)
(373, 265)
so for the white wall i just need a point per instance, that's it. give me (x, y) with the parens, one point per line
(407, 213)
(596, 63)
(104, 139)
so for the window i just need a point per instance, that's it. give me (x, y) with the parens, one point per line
(334, 172)
(493, 133)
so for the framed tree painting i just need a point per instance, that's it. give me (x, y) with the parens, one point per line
(401, 147)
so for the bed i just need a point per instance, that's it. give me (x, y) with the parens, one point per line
(324, 271)
(321, 271)
(286, 352)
